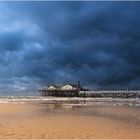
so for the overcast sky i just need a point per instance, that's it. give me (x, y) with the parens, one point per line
(43, 43)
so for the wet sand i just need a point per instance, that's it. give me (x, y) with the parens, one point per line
(65, 121)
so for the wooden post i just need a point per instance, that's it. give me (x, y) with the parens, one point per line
(78, 89)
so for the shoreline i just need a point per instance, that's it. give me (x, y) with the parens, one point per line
(77, 101)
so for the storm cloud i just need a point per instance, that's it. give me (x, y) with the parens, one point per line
(44, 43)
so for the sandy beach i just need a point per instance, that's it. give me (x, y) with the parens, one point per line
(42, 120)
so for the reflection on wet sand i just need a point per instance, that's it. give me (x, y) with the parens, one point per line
(70, 119)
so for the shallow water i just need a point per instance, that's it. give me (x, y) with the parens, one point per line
(71, 101)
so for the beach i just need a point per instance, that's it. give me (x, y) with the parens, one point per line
(62, 119)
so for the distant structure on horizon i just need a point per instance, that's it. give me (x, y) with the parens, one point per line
(68, 90)
(73, 90)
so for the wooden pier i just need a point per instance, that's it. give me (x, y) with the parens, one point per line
(93, 93)
(111, 93)
(60, 93)
(71, 90)
(68, 90)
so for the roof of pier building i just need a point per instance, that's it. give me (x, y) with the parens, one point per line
(54, 87)
(69, 87)
(65, 87)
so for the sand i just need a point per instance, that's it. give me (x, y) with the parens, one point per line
(42, 121)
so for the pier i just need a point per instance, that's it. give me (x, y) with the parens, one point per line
(70, 90)
(111, 93)
(93, 93)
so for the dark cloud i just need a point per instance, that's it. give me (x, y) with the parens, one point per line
(58, 42)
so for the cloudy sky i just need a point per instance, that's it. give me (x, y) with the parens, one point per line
(41, 43)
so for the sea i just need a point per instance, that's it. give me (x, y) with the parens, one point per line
(133, 102)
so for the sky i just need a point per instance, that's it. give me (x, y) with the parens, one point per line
(44, 43)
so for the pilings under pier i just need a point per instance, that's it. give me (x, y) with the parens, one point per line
(111, 93)
(93, 93)
(60, 93)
